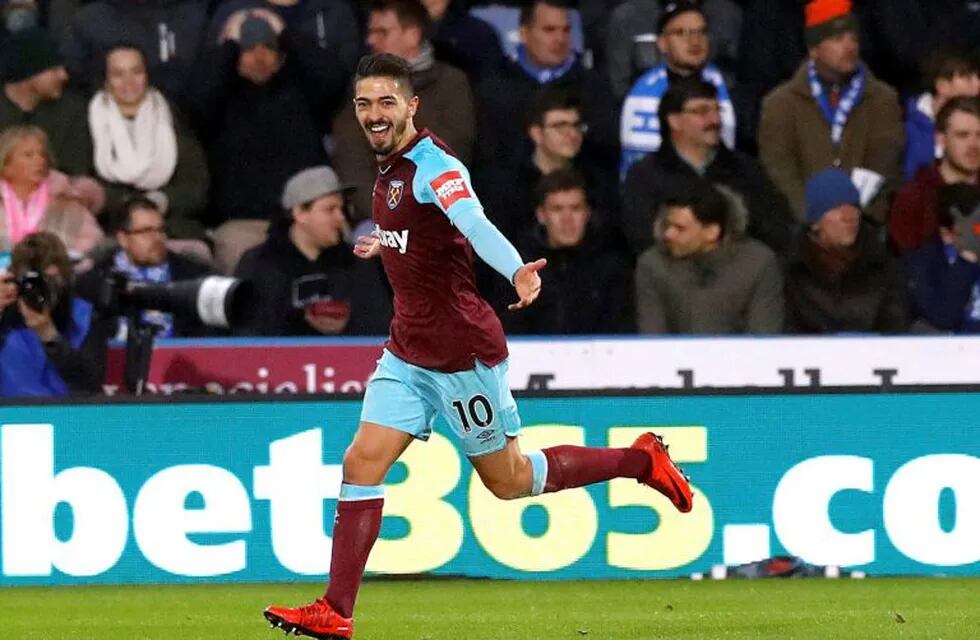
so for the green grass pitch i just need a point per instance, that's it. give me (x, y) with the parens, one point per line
(483, 610)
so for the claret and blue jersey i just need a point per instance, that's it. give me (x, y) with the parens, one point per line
(424, 202)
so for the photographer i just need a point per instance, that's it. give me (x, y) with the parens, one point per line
(143, 257)
(53, 343)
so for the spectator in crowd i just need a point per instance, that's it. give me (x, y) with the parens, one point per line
(633, 44)
(328, 28)
(307, 280)
(143, 145)
(34, 93)
(142, 256)
(556, 130)
(683, 40)
(169, 31)
(856, 124)
(913, 218)
(586, 288)
(704, 275)
(445, 99)
(905, 31)
(841, 278)
(944, 275)
(463, 40)
(545, 58)
(260, 103)
(690, 113)
(51, 345)
(950, 75)
(33, 197)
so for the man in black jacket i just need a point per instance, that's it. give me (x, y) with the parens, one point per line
(690, 113)
(262, 101)
(306, 278)
(586, 288)
(143, 257)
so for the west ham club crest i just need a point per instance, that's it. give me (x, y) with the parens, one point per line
(395, 190)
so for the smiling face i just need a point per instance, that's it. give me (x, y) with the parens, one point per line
(126, 80)
(385, 113)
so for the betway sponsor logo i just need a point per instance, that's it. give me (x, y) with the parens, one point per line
(393, 239)
(450, 187)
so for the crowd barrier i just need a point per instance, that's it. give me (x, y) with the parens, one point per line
(296, 366)
(243, 489)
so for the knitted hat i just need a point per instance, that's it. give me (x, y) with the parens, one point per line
(257, 31)
(676, 8)
(828, 190)
(827, 18)
(29, 52)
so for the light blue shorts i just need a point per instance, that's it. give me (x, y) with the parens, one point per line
(476, 403)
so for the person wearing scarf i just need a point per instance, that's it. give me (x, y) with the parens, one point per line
(141, 146)
(833, 112)
(839, 276)
(33, 197)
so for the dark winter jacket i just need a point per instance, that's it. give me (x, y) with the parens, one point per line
(286, 282)
(654, 177)
(466, 42)
(943, 295)
(256, 137)
(868, 296)
(65, 121)
(169, 33)
(584, 290)
(503, 101)
(735, 289)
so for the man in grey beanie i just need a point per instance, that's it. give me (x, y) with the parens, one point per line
(306, 278)
(34, 78)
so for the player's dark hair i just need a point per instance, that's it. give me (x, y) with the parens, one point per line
(959, 104)
(551, 98)
(410, 13)
(945, 64)
(122, 217)
(707, 204)
(558, 181)
(679, 93)
(386, 65)
(957, 201)
(529, 8)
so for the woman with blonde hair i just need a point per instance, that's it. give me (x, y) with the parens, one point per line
(34, 197)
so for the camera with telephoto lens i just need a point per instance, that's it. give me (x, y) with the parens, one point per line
(34, 290)
(215, 300)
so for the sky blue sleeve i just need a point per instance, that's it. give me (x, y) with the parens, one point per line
(445, 182)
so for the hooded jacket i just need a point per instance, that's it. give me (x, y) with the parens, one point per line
(736, 288)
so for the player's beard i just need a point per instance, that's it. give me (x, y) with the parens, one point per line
(387, 147)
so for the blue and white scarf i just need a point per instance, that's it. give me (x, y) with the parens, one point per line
(543, 75)
(850, 97)
(157, 274)
(639, 126)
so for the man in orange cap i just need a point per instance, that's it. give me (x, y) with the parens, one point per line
(833, 112)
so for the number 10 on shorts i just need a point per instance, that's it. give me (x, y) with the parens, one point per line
(477, 410)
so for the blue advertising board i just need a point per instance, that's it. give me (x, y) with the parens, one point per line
(245, 491)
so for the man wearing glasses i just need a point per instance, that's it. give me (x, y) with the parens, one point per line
(682, 37)
(143, 256)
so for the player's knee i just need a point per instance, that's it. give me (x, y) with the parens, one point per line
(505, 489)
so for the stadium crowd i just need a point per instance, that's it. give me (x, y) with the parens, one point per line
(712, 166)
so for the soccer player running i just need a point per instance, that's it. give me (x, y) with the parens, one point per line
(446, 354)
